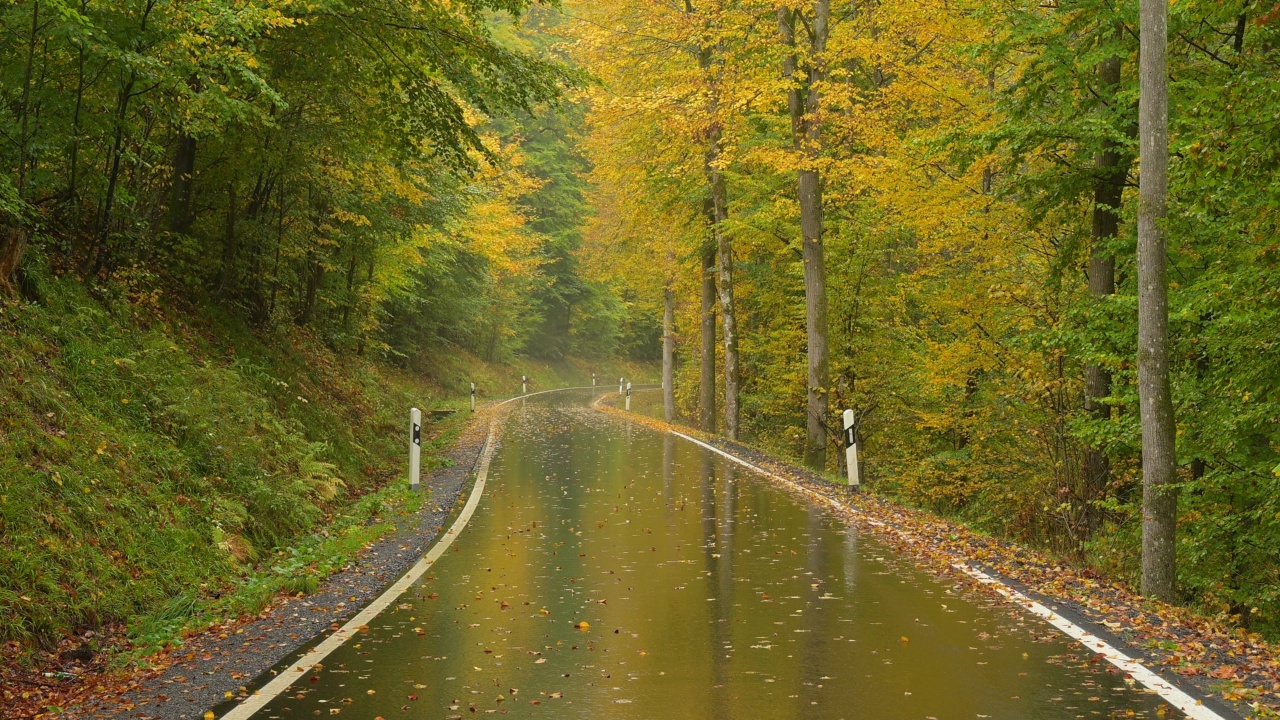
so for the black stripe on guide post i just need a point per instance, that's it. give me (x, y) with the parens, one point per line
(850, 436)
(417, 434)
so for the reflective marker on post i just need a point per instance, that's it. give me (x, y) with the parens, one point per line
(473, 397)
(851, 449)
(628, 396)
(415, 447)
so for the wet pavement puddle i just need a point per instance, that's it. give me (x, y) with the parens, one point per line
(615, 572)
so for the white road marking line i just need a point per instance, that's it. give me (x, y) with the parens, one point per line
(790, 483)
(1193, 708)
(293, 673)
(268, 692)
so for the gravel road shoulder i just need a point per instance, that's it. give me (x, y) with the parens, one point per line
(225, 659)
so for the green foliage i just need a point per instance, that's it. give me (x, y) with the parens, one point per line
(147, 458)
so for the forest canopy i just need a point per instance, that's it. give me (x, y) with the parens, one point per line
(1031, 245)
(928, 212)
(388, 174)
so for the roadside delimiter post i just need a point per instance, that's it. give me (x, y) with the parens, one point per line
(593, 379)
(620, 386)
(851, 449)
(628, 396)
(524, 384)
(473, 397)
(415, 447)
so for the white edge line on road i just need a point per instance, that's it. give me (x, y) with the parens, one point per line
(290, 675)
(287, 677)
(1193, 708)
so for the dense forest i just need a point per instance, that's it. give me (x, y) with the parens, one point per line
(238, 240)
(1032, 244)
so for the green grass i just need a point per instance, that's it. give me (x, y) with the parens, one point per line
(151, 461)
(167, 467)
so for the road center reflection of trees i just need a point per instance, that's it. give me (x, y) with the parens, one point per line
(616, 572)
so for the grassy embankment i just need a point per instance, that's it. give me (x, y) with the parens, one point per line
(162, 467)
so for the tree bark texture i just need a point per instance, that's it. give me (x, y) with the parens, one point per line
(707, 379)
(669, 353)
(1108, 190)
(1159, 462)
(804, 103)
(728, 314)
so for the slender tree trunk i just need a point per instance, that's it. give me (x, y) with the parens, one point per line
(99, 257)
(728, 312)
(315, 276)
(1108, 190)
(351, 296)
(13, 237)
(73, 172)
(230, 243)
(804, 102)
(707, 379)
(1159, 461)
(24, 139)
(717, 211)
(669, 353)
(184, 167)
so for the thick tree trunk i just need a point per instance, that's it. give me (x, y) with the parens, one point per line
(669, 353)
(1159, 462)
(184, 167)
(13, 241)
(1108, 190)
(804, 103)
(707, 379)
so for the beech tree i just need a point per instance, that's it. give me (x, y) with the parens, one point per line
(1159, 458)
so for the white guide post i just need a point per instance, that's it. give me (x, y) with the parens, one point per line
(628, 396)
(473, 397)
(851, 449)
(415, 447)
(524, 385)
(593, 379)
(620, 386)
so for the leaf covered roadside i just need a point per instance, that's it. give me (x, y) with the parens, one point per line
(215, 652)
(1216, 658)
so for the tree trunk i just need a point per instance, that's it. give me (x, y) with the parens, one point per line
(728, 313)
(1108, 190)
(351, 295)
(721, 254)
(1159, 462)
(804, 103)
(230, 244)
(98, 258)
(13, 238)
(184, 167)
(315, 275)
(13, 241)
(707, 379)
(669, 353)
(24, 113)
